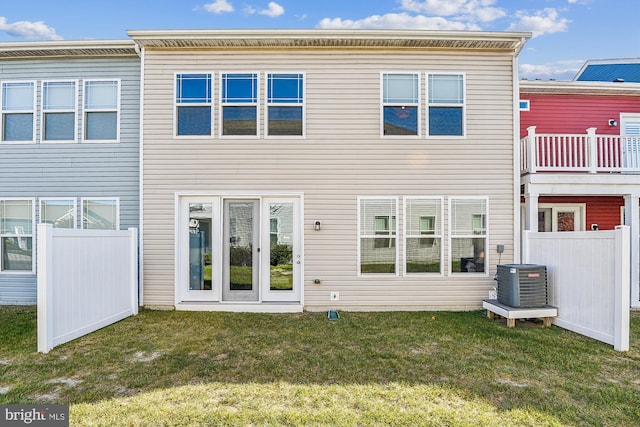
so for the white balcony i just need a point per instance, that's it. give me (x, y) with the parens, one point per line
(588, 153)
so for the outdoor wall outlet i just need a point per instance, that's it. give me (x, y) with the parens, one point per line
(500, 249)
(334, 296)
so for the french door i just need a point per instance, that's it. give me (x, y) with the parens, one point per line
(239, 249)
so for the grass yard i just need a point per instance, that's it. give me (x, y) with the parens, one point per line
(415, 368)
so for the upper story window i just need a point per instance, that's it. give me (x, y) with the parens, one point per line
(16, 235)
(400, 101)
(193, 104)
(18, 100)
(525, 105)
(59, 111)
(285, 104)
(239, 104)
(446, 104)
(101, 102)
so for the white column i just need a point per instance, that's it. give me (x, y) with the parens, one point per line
(592, 143)
(531, 211)
(532, 148)
(632, 219)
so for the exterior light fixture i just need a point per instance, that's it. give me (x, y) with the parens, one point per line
(316, 226)
(613, 122)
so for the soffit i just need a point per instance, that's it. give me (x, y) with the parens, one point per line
(445, 40)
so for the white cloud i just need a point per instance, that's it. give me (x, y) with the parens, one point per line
(395, 21)
(218, 6)
(544, 21)
(273, 11)
(29, 30)
(472, 10)
(561, 70)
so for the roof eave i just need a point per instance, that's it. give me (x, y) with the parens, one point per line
(579, 87)
(66, 48)
(505, 41)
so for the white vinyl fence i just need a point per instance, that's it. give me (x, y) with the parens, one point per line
(589, 280)
(87, 279)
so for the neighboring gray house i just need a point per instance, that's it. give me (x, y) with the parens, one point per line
(69, 147)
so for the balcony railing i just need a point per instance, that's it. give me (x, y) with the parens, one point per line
(588, 152)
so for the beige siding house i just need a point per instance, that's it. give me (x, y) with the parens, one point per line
(310, 169)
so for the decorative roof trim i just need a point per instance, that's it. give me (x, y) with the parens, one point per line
(578, 88)
(511, 42)
(47, 49)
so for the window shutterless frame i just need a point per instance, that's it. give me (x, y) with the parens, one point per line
(100, 213)
(193, 106)
(60, 212)
(377, 248)
(446, 105)
(400, 115)
(423, 227)
(468, 239)
(18, 112)
(101, 104)
(285, 112)
(17, 235)
(239, 105)
(59, 115)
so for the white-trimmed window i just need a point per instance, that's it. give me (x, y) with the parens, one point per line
(100, 213)
(445, 104)
(101, 106)
(400, 104)
(377, 227)
(16, 235)
(18, 106)
(525, 105)
(59, 111)
(423, 234)
(193, 105)
(239, 104)
(285, 104)
(59, 212)
(468, 234)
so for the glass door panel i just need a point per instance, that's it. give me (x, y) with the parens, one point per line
(241, 248)
(200, 266)
(282, 256)
(281, 246)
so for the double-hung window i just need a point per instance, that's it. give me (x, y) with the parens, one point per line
(239, 104)
(285, 104)
(193, 105)
(468, 234)
(101, 101)
(100, 214)
(378, 230)
(59, 212)
(400, 103)
(59, 111)
(423, 235)
(18, 100)
(16, 235)
(446, 104)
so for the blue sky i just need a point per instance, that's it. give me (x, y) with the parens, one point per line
(565, 32)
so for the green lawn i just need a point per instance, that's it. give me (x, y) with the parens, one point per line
(416, 368)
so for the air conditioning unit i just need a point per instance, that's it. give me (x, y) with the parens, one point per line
(522, 285)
